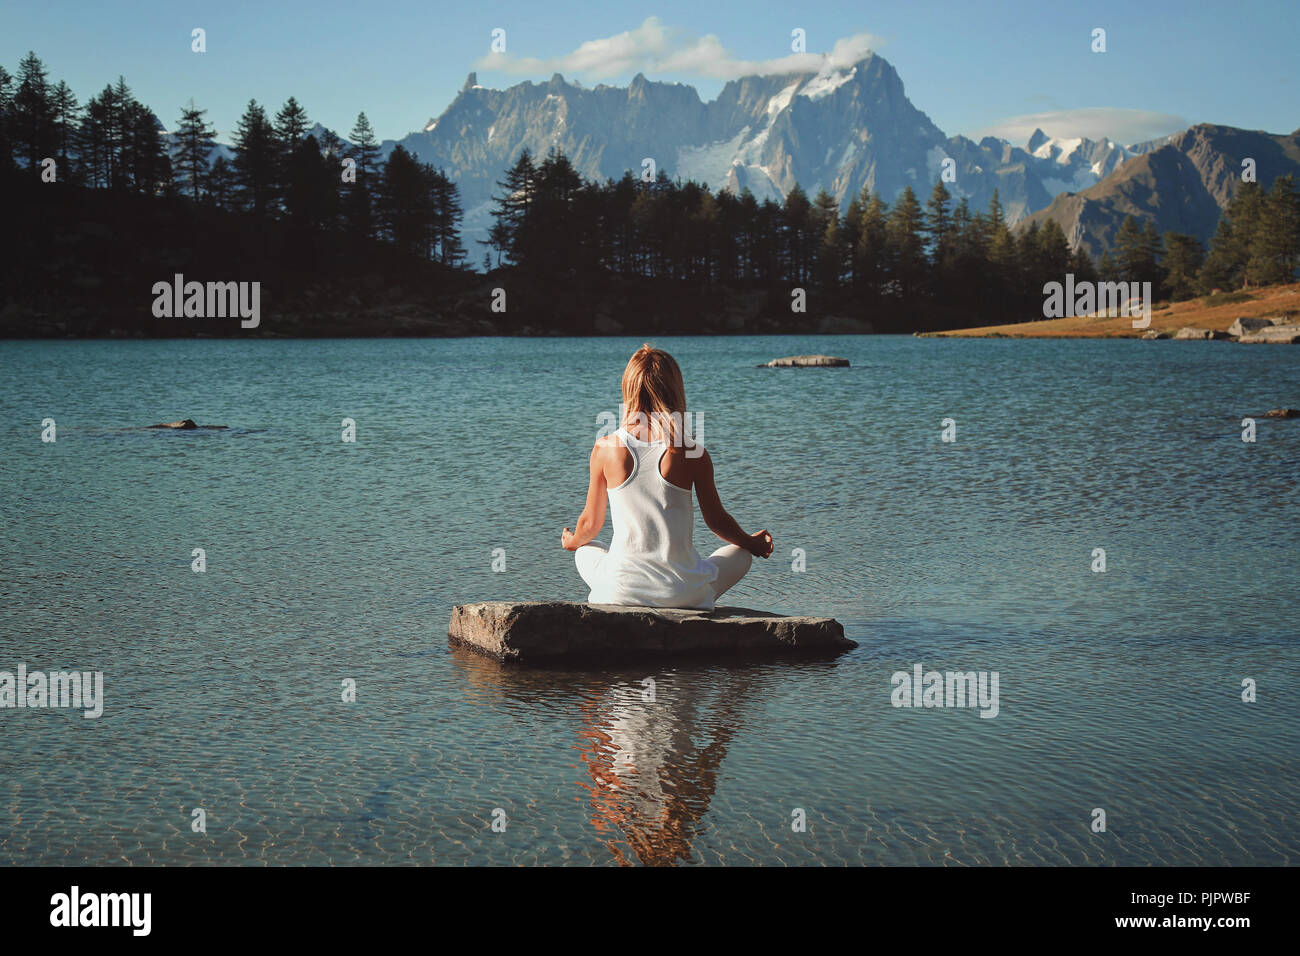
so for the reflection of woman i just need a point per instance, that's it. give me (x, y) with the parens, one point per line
(649, 778)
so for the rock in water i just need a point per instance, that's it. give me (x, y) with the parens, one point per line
(807, 361)
(547, 631)
(1282, 413)
(185, 424)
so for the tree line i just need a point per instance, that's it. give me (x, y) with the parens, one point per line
(939, 258)
(277, 168)
(548, 218)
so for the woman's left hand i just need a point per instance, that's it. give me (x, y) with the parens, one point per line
(566, 540)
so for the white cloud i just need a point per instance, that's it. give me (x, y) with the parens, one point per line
(1096, 122)
(654, 48)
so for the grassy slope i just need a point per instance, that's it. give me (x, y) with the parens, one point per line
(1206, 313)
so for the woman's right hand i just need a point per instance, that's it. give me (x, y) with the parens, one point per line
(760, 544)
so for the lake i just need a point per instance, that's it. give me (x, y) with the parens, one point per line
(328, 562)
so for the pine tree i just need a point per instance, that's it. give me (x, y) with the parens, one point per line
(310, 198)
(291, 126)
(1153, 251)
(1218, 271)
(830, 251)
(799, 235)
(1004, 279)
(446, 215)
(1182, 262)
(1245, 211)
(1082, 266)
(907, 243)
(938, 226)
(6, 122)
(33, 113)
(556, 187)
(871, 266)
(123, 128)
(66, 110)
(1275, 245)
(1052, 255)
(405, 211)
(93, 141)
(193, 144)
(290, 129)
(513, 207)
(1131, 253)
(147, 164)
(255, 158)
(365, 147)
(1228, 263)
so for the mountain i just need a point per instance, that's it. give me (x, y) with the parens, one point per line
(841, 129)
(1181, 183)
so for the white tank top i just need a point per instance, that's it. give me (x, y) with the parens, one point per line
(652, 561)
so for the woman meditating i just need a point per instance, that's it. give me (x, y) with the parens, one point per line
(647, 469)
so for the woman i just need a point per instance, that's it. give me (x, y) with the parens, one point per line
(647, 469)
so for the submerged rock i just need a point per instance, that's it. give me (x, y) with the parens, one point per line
(807, 361)
(185, 424)
(1282, 413)
(541, 631)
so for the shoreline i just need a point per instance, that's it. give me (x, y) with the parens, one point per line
(1214, 313)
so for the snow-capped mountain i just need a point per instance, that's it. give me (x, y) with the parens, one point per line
(1069, 165)
(843, 130)
(839, 129)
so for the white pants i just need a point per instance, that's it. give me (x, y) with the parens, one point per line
(732, 563)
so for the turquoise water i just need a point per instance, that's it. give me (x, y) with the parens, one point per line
(328, 561)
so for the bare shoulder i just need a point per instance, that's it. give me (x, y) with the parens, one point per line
(606, 445)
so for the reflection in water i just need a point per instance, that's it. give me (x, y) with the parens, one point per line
(652, 743)
(649, 776)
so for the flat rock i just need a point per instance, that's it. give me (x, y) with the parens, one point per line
(1192, 334)
(548, 631)
(807, 361)
(1155, 334)
(1282, 413)
(1273, 335)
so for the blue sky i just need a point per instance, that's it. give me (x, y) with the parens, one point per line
(974, 67)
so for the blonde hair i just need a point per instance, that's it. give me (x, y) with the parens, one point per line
(653, 390)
